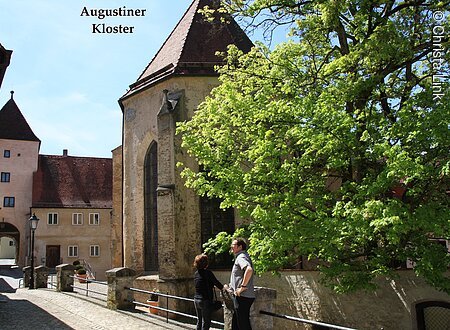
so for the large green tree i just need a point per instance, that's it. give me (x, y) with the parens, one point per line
(336, 142)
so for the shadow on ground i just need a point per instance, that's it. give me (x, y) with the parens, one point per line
(5, 287)
(9, 278)
(22, 314)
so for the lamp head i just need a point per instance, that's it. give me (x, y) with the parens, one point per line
(33, 222)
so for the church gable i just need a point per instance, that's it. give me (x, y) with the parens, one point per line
(191, 47)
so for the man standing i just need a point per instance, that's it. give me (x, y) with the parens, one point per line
(241, 283)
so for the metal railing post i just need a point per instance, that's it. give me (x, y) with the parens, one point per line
(167, 307)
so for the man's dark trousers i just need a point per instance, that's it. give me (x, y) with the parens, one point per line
(241, 315)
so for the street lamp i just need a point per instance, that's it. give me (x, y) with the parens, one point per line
(33, 225)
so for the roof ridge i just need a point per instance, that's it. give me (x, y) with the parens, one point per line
(189, 29)
(71, 156)
(191, 48)
(167, 39)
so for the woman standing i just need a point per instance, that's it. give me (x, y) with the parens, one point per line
(204, 281)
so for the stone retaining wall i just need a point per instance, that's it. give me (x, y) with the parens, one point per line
(391, 307)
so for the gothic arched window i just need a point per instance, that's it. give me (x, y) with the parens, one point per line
(151, 211)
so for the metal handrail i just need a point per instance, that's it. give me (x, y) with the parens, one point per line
(87, 291)
(167, 310)
(160, 294)
(90, 280)
(95, 281)
(87, 281)
(297, 319)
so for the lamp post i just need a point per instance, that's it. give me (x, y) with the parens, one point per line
(33, 225)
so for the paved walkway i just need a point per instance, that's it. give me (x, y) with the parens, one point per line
(22, 309)
(48, 309)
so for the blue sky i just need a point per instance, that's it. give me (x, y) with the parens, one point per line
(67, 80)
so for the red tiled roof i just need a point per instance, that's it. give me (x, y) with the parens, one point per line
(78, 182)
(13, 125)
(191, 47)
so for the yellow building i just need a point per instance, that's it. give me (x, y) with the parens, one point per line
(72, 197)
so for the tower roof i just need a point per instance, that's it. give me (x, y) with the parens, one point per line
(13, 125)
(5, 57)
(191, 47)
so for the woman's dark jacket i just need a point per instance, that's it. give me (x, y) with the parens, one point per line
(205, 281)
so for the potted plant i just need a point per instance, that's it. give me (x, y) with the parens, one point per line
(80, 272)
(153, 301)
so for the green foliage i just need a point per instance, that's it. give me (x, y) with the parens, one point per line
(222, 242)
(334, 143)
(219, 244)
(81, 271)
(79, 268)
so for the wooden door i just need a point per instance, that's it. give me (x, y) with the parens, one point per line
(52, 256)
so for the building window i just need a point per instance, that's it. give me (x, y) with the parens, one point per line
(432, 315)
(94, 219)
(213, 221)
(9, 201)
(5, 177)
(6, 153)
(77, 219)
(11, 243)
(52, 219)
(72, 251)
(94, 250)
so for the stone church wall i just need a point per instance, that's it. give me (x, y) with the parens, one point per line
(178, 208)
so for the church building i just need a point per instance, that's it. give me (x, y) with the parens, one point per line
(164, 223)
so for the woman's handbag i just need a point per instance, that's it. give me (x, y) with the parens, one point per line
(216, 304)
(228, 298)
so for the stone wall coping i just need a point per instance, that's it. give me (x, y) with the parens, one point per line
(120, 272)
(148, 278)
(65, 267)
(265, 293)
